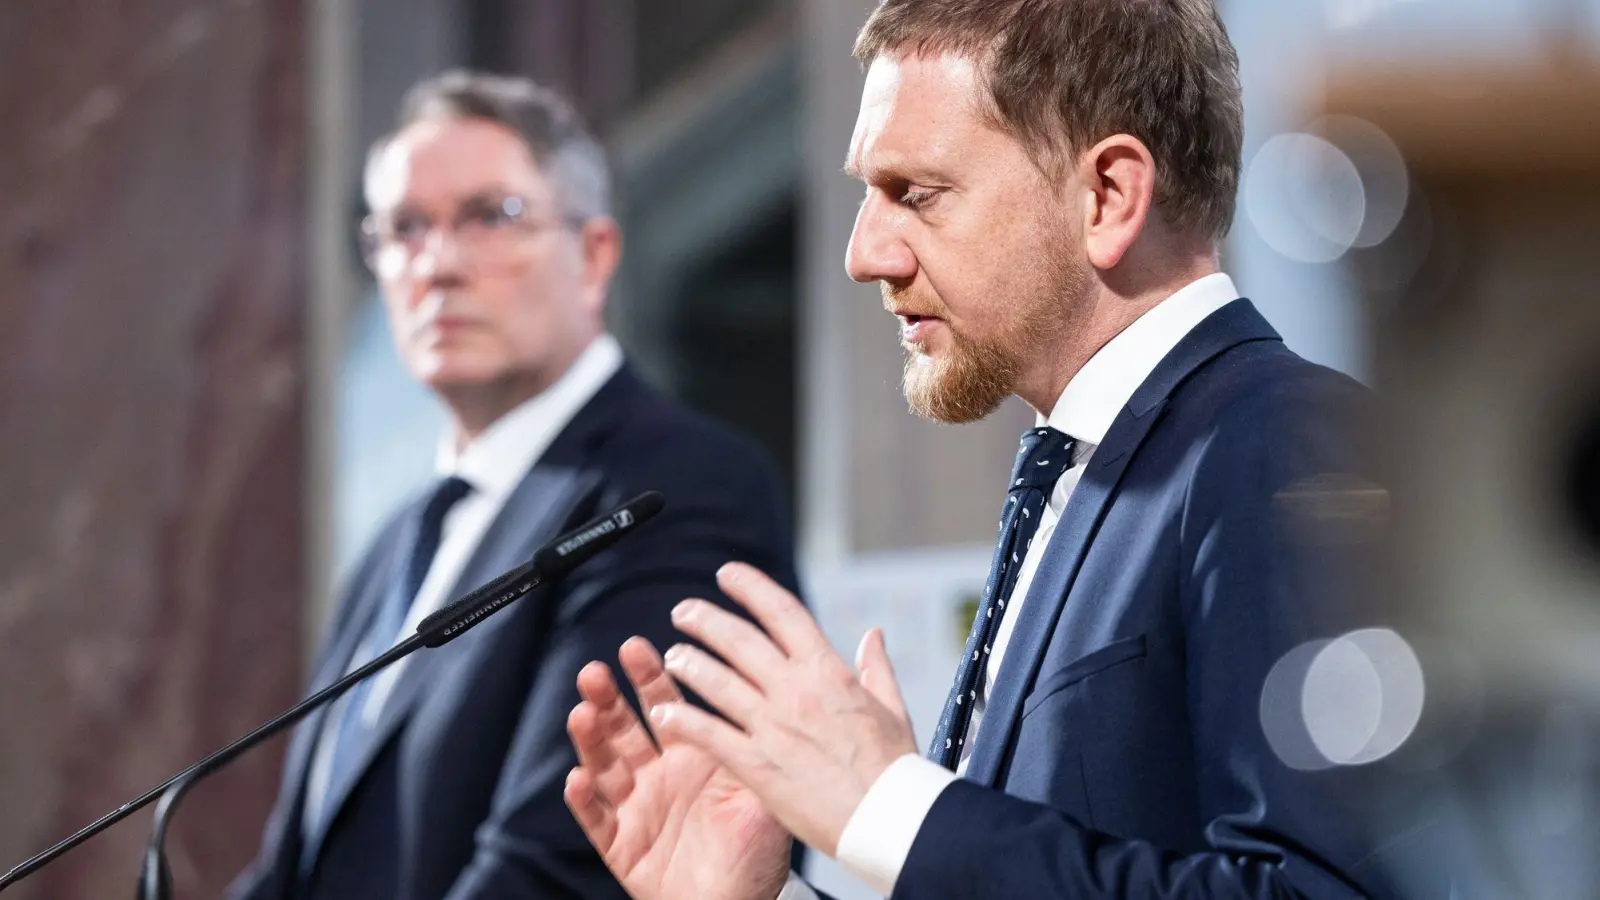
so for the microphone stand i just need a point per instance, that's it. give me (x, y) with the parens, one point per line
(155, 878)
(549, 564)
(180, 782)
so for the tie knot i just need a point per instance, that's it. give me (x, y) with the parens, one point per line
(1045, 454)
(446, 493)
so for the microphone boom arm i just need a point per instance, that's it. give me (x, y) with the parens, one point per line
(550, 563)
(218, 759)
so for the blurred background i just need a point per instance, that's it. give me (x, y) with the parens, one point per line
(202, 419)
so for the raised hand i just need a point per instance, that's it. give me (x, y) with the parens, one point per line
(803, 731)
(670, 823)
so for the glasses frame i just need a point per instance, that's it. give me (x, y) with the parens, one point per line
(374, 242)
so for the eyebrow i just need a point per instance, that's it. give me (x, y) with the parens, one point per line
(893, 171)
(486, 195)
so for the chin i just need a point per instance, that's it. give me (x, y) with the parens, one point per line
(959, 388)
(446, 373)
(923, 349)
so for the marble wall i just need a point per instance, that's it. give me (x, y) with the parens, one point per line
(152, 287)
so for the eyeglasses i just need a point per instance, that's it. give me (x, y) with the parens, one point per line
(485, 226)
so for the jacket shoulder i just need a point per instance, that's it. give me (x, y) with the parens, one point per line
(659, 435)
(1262, 388)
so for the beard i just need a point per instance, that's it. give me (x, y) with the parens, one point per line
(979, 372)
(966, 385)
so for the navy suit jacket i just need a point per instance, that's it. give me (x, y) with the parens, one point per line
(462, 796)
(1122, 754)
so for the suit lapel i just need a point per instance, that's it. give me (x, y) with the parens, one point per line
(1048, 593)
(534, 512)
(1234, 324)
(335, 659)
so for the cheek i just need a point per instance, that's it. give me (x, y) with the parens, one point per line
(525, 303)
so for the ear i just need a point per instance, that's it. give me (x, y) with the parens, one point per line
(1120, 176)
(601, 244)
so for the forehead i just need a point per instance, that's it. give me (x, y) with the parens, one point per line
(439, 161)
(919, 114)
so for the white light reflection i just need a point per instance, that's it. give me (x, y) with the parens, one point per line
(1305, 198)
(1349, 701)
(1385, 181)
(1281, 718)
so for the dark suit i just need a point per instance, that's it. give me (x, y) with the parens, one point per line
(1122, 754)
(462, 796)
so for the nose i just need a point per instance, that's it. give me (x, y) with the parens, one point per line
(878, 251)
(439, 256)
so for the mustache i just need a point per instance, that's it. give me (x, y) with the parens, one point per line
(928, 305)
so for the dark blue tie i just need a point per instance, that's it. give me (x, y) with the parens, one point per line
(351, 734)
(1045, 455)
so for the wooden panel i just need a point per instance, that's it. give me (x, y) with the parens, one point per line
(151, 291)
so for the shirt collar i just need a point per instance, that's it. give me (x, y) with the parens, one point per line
(495, 463)
(1100, 390)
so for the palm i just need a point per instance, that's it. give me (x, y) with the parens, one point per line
(687, 829)
(669, 822)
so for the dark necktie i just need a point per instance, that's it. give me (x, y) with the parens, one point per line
(1045, 455)
(351, 733)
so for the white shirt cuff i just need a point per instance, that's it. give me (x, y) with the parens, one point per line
(795, 889)
(879, 835)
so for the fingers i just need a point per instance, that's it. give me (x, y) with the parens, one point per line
(877, 672)
(778, 611)
(609, 773)
(615, 723)
(717, 684)
(698, 728)
(597, 685)
(643, 666)
(595, 816)
(743, 645)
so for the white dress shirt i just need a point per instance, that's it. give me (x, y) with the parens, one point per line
(879, 835)
(494, 464)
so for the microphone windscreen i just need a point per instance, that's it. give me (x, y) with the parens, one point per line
(577, 546)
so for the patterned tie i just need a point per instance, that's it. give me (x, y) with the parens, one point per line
(1044, 456)
(351, 734)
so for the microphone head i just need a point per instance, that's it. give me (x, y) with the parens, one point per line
(577, 546)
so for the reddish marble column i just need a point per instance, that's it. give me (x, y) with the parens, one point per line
(152, 281)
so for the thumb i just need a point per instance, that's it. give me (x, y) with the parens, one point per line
(876, 673)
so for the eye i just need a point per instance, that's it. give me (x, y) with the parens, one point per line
(493, 213)
(918, 199)
(410, 227)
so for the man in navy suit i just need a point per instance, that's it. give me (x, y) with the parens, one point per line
(1047, 183)
(441, 778)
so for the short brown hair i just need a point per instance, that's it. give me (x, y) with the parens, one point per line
(1062, 75)
(552, 130)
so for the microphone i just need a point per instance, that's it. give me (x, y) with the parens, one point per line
(549, 564)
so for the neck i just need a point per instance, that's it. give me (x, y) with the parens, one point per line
(474, 408)
(1115, 300)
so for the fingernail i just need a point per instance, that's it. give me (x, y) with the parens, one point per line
(674, 657)
(659, 715)
(729, 572)
(684, 612)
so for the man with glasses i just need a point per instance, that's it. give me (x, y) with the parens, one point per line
(442, 778)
